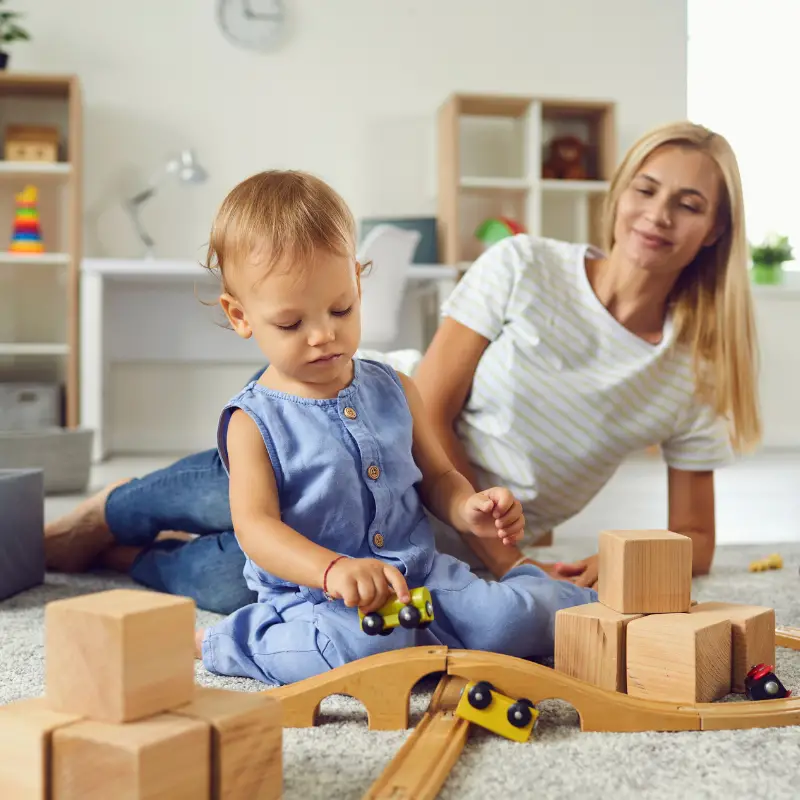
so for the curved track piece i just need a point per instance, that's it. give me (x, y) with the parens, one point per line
(599, 709)
(786, 636)
(603, 710)
(382, 683)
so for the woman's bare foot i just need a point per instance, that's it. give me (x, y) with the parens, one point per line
(198, 642)
(73, 542)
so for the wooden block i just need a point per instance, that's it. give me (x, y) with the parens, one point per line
(679, 658)
(121, 655)
(590, 644)
(752, 636)
(645, 572)
(164, 756)
(246, 742)
(26, 729)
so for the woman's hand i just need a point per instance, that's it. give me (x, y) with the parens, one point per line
(494, 513)
(366, 583)
(581, 573)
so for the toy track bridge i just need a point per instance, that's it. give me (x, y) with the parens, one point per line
(422, 764)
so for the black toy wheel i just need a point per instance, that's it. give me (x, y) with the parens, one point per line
(480, 695)
(409, 617)
(372, 624)
(519, 713)
(429, 608)
(387, 631)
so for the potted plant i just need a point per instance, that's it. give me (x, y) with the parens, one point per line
(769, 258)
(10, 31)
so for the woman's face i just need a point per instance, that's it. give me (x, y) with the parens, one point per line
(669, 210)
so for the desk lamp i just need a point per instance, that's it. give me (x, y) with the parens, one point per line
(187, 170)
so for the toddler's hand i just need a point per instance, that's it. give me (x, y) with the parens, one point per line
(366, 583)
(495, 512)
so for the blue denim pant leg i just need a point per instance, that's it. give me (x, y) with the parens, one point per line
(207, 569)
(514, 616)
(190, 495)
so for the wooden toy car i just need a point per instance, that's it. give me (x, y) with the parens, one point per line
(416, 614)
(481, 704)
(761, 683)
(770, 562)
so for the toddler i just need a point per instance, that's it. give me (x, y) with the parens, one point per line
(332, 464)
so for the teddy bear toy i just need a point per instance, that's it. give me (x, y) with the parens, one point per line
(565, 160)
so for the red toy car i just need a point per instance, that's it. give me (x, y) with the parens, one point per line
(761, 683)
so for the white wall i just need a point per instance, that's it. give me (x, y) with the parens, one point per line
(351, 96)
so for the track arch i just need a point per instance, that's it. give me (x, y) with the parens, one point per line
(381, 683)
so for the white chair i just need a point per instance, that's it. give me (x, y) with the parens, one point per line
(391, 251)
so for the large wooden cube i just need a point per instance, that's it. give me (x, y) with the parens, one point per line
(164, 756)
(752, 636)
(121, 655)
(645, 571)
(246, 742)
(590, 644)
(26, 729)
(679, 658)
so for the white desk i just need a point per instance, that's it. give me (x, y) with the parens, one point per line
(150, 311)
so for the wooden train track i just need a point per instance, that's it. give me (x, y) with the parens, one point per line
(421, 766)
(599, 709)
(787, 636)
(424, 762)
(381, 683)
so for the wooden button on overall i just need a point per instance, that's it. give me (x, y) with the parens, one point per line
(350, 413)
(377, 540)
(374, 472)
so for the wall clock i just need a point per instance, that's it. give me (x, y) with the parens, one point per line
(252, 24)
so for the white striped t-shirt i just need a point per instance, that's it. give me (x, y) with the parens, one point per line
(564, 392)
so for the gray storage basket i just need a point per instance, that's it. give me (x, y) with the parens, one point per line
(21, 531)
(64, 454)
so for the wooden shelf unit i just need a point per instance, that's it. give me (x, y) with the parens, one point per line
(491, 149)
(39, 315)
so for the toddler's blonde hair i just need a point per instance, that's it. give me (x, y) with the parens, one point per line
(277, 215)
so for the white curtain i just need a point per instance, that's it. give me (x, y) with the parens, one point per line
(744, 82)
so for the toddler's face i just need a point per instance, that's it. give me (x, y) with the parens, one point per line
(306, 319)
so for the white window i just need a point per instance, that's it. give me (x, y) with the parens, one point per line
(744, 82)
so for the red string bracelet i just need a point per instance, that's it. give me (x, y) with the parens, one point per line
(325, 576)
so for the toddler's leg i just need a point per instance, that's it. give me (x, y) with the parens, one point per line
(258, 642)
(297, 641)
(514, 616)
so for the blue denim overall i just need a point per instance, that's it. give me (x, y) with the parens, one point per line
(346, 479)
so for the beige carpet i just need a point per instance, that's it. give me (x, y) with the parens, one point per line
(340, 758)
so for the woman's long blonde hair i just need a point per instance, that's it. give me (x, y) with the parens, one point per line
(711, 302)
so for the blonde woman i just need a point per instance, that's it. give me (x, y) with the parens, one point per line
(554, 362)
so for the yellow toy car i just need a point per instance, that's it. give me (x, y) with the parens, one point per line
(481, 704)
(416, 614)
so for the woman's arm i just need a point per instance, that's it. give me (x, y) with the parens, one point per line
(493, 513)
(444, 378)
(691, 512)
(255, 511)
